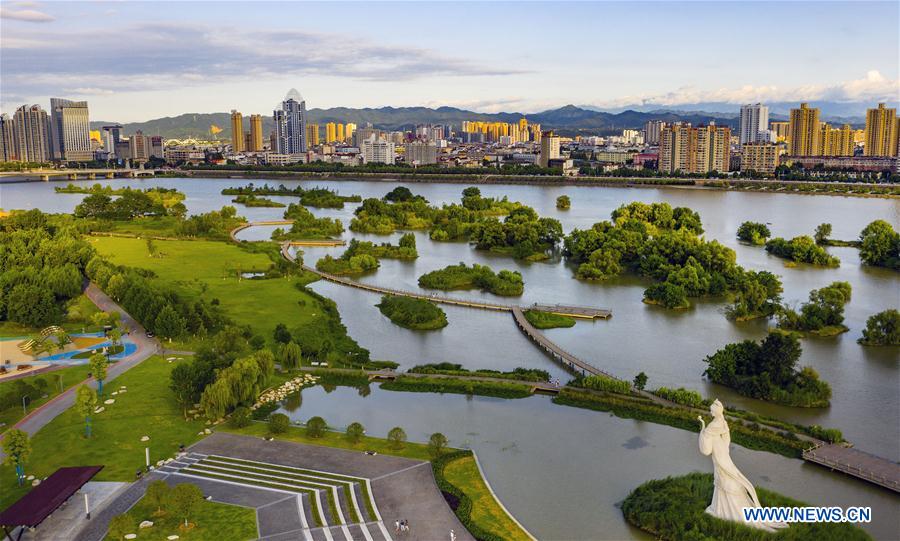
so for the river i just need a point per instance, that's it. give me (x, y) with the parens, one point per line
(580, 463)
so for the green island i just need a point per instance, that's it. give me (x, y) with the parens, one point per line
(802, 249)
(164, 196)
(767, 370)
(665, 244)
(256, 201)
(313, 197)
(548, 320)
(673, 509)
(453, 369)
(822, 315)
(363, 256)
(307, 226)
(879, 245)
(505, 282)
(754, 233)
(417, 314)
(882, 329)
(563, 202)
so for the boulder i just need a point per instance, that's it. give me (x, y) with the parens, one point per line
(114, 393)
(145, 438)
(131, 536)
(145, 524)
(207, 431)
(101, 409)
(109, 401)
(35, 482)
(160, 463)
(172, 537)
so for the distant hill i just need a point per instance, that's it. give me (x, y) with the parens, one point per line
(568, 120)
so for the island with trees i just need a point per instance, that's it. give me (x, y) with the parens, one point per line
(882, 329)
(256, 201)
(879, 245)
(363, 256)
(307, 226)
(416, 314)
(506, 283)
(313, 197)
(563, 202)
(822, 315)
(768, 370)
(802, 249)
(754, 233)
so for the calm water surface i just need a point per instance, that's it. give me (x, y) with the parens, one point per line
(594, 460)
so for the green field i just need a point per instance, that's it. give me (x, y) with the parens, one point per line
(69, 376)
(146, 409)
(211, 269)
(463, 473)
(212, 522)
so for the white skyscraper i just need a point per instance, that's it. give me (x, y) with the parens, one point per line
(70, 130)
(754, 119)
(290, 124)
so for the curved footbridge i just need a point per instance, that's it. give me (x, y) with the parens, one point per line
(569, 361)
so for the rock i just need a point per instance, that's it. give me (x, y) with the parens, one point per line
(159, 463)
(170, 459)
(145, 438)
(172, 537)
(101, 409)
(145, 524)
(123, 387)
(30, 478)
(36, 482)
(207, 431)
(109, 401)
(131, 536)
(114, 393)
(201, 433)
(123, 391)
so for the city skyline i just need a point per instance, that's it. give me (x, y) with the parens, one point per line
(241, 58)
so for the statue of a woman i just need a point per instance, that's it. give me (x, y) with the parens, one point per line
(732, 491)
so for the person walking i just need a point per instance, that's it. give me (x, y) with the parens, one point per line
(396, 526)
(452, 535)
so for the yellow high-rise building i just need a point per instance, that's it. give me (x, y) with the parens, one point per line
(339, 136)
(237, 131)
(349, 130)
(256, 133)
(881, 131)
(330, 132)
(782, 130)
(804, 131)
(836, 141)
(312, 134)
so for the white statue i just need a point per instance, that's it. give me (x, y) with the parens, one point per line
(732, 491)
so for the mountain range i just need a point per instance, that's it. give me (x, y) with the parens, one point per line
(567, 120)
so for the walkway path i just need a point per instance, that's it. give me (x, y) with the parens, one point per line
(146, 347)
(874, 469)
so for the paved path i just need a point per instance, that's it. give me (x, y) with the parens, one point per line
(861, 464)
(146, 347)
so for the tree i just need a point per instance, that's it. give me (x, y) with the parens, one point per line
(640, 381)
(85, 403)
(240, 417)
(168, 323)
(823, 231)
(315, 427)
(120, 526)
(753, 232)
(159, 495)
(279, 423)
(186, 497)
(397, 437)
(563, 202)
(882, 329)
(32, 305)
(437, 443)
(408, 240)
(17, 447)
(188, 380)
(355, 432)
(880, 245)
(98, 364)
(282, 334)
(289, 356)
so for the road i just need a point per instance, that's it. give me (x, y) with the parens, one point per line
(146, 347)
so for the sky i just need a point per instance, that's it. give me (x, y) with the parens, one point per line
(136, 61)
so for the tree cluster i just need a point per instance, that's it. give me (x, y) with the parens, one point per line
(522, 234)
(754, 233)
(880, 245)
(413, 313)
(307, 226)
(505, 282)
(802, 249)
(882, 329)
(768, 371)
(238, 384)
(824, 310)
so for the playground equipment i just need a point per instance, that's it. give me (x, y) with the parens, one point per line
(33, 344)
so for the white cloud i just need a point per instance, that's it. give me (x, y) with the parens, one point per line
(873, 87)
(27, 15)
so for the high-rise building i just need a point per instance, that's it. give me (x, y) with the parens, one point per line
(881, 131)
(363, 134)
(237, 131)
(754, 120)
(290, 124)
(139, 145)
(330, 133)
(157, 147)
(759, 157)
(312, 134)
(8, 151)
(339, 135)
(836, 141)
(421, 153)
(549, 148)
(804, 131)
(32, 134)
(782, 130)
(652, 130)
(256, 134)
(70, 130)
(375, 150)
(694, 150)
(349, 130)
(112, 134)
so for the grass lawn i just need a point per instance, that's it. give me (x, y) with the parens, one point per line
(548, 320)
(212, 522)
(416, 451)
(70, 376)
(148, 408)
(210, 269)
(486, 512)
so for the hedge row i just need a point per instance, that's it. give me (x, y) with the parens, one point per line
(458, 386)
(464, 509)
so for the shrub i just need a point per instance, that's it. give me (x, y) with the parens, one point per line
(355, 432)
(603, 383)
(315, 427)
(279, 423)
(681, 396)
(240, 417)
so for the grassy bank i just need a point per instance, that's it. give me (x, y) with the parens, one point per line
(547, 320)
(64, 377)
(673, 509)
(458, 386)
(211, 522)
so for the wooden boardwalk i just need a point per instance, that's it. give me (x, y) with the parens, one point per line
(583, 312)
(874, 469)
(565, 358)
